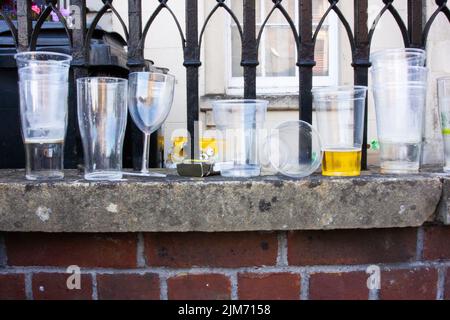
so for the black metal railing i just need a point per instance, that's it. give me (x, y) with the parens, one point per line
(414, 33)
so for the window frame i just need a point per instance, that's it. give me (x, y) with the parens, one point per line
(284, 85)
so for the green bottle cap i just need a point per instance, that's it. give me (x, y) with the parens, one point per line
(374, 144)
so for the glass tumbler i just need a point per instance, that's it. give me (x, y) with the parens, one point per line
(43, 90)
(400, 111)
(240, 123)
(102, 116)
(340, 121)
(294, 149)
(444, 110)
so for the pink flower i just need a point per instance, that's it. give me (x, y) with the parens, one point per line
(36, 9)
(64, 13)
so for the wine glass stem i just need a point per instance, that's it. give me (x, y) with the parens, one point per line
(146, 153)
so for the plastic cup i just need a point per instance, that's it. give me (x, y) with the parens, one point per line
(294, 149)
(240, 123)
(340, 120)
(43, 89)
(102, 117)
(37, 65)
(398, 57)
(400, 111)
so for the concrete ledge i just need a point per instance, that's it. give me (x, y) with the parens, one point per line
(217, 204)
(443, 214)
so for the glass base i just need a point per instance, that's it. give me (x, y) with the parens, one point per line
(44, 160)
(145, 174)
(103, 175)
(45, 175)
(341, 173)
(399, 167)
(241, 171)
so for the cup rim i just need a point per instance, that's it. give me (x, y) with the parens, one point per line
(383, 68)
(418, 51)
(336, 90)
(167, 75)
(240, 101)
(116, 80)
(411, 84)
(443, 78)
(43, 80)
(67, 57)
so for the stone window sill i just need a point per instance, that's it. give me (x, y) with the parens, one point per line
(178, 204)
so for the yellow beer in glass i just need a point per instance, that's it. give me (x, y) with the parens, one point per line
(340, 120)
(345, 162)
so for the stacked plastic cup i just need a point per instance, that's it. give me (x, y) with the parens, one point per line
(399, 83)
(44, 92)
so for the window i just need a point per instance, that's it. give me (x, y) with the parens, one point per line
(277, 72)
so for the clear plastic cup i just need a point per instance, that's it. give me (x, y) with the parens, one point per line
(400, 111)
(240, 123)
(398, 57)
(37, 65)
(43, 114)
(102, 118)
(26, 59)
(294, 149)
(43, 90)
(340, 120)
(443, 84)
(398, 74)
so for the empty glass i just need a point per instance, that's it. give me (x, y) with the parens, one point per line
(444, 110)
(150, 99)
(240, 123)
(340, 120)
(294, 149)
(398, 57)
(399, 87)
(43, 89)
(102, 117)
(400, 111)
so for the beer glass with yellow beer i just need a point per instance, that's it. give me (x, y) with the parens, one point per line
(340, 121)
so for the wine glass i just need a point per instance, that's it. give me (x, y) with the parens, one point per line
(150, 97)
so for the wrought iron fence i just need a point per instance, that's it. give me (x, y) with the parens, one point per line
(414, 32)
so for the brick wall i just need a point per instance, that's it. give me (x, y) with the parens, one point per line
(415, 264)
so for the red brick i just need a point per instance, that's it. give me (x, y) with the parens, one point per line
(272, 286)
(338, 286)
(413, 284)
(351, 246)
(12, 287)
(436, 244)
(199, 287)
(447, 286)
(53, 286)
(227, 249)
(128, 286)
(84, 250)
